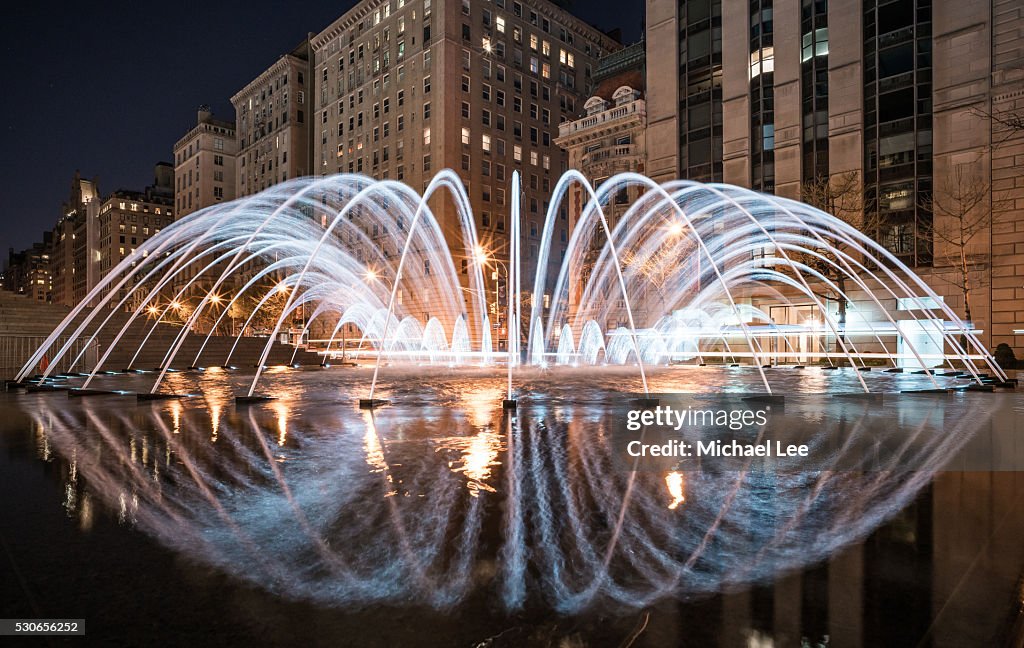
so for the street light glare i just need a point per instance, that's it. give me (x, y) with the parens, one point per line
(175, 305)
(215, 299)
(675, 229)
(371, 274)
(481, 254)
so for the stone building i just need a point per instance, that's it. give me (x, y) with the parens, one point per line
(909, 105)
(29, 272)
(272, 115)
(204, 164)
(607, 139)
(75, 253)
(129, 218)
(406, 89)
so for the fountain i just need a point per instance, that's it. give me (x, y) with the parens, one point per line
(691, 288)
(687, 274)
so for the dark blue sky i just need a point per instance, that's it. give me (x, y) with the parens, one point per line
(108, 87)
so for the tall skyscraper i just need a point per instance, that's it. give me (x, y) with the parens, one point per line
(905, 106)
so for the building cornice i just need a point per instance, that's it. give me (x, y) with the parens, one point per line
(347, 20)
(284, 62)
(198, 127)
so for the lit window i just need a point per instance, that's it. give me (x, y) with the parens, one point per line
(465, 136)
(814, 44)
(426, 136)
(762, 61)
(485, 143)
(500, 24)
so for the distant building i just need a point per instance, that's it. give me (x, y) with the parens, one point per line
(272, 115)
(75, 254)
(129, 218)
(94, 234)
(609, 138)
(204, 164)
(28, 272)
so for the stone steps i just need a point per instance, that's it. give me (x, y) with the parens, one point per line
(25, 324)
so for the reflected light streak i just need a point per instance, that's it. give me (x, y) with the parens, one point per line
(282, 422)
(479, 457)
(676, 488)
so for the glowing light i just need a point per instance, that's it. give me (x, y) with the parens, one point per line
(371, 274)
(282, 422)
(676, 488)
(481, 254)
(479, 457)
(675, 229)
(214, 299)
(152, 310)
(176, 305)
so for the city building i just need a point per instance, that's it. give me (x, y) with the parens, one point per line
(272, 115)
(28, 272)
(75, 253)
(204, 164)
(406, 89)
(128, 218)
(905, 115)
(95, 234)
(609, 138)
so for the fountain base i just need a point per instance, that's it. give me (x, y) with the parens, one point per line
(158, 396)
(250, 400)
(45, 387)
(372, 403)
(509, 403)
(79, 392)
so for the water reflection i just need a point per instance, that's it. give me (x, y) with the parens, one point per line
(676, 484)
(408, 503)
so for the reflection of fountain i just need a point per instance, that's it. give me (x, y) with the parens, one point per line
(688, 273)
(393, 507)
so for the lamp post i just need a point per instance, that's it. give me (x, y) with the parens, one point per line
(485, 260)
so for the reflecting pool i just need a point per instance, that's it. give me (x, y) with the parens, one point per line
(442, 519)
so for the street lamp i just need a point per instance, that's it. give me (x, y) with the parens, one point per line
(483, 257)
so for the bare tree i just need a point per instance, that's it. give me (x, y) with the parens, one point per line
(1006, 123)
(841, 196)
(961, 212)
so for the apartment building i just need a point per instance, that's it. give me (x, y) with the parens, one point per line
(272, 114)
(204, 164)
(406, 88)
(127, 219)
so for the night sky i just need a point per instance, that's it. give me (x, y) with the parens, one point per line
(108, 87)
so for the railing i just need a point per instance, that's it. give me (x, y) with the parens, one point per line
(635, 108)
(15, 350)
(619, 150)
